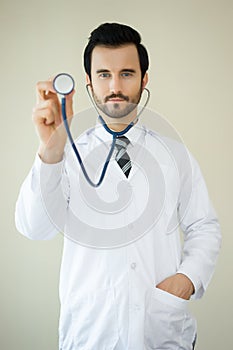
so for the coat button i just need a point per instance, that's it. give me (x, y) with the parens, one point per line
(133, 265)
(137, 307)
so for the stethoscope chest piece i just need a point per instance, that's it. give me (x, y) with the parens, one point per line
(63, 84)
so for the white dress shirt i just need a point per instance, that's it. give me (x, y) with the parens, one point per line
(118, 247)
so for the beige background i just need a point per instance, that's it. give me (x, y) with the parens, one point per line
(191, 73)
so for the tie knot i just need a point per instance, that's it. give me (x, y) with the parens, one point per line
(122, 142)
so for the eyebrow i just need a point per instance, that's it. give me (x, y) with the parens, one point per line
(130, 70)
(102, 71)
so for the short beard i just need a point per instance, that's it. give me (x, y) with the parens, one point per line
(116, 112)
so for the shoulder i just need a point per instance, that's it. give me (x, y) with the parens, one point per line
(173, 149)
(174, 145)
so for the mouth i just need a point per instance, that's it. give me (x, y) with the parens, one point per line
(116, 100)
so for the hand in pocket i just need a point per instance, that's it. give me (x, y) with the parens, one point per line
(178, 285)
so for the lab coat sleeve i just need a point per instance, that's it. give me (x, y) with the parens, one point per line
(45, 191)
(199, 223)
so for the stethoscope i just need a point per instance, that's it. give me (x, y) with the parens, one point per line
(64, 84)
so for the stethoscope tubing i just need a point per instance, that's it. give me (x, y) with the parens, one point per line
(64, 117)
(114, 134)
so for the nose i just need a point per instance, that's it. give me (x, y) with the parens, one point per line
(115, 85)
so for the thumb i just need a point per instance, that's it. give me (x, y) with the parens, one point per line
(69, 104)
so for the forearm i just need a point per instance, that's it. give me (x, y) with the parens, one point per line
(202, 242)
(199, 223)
(51, 155)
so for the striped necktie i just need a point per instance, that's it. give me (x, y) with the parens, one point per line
(122, 156)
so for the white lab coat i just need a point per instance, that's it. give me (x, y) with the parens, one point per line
(108, 293)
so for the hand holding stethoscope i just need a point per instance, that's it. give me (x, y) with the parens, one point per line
(47, 117)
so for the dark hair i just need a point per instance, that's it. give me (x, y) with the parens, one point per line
(114, 35)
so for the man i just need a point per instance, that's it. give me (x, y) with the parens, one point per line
(131, 290)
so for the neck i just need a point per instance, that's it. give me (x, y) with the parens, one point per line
(117, 127)
(120, 124)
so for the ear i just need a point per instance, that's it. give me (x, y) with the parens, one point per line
(144, 80)
(88, 80)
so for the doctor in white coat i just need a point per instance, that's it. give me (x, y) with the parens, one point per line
(126, 278)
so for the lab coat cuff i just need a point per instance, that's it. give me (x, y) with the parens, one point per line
(39, 162)
(196, 281)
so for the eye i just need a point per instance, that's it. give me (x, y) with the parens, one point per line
(126, 74)
(104, 75)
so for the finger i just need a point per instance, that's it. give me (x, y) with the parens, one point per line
(43, 116)
(69, 104)
(51, 107)
(47, 110)
(48, 104)
(44, 89)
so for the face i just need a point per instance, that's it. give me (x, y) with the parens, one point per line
(116, 80)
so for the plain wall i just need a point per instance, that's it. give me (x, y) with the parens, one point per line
(191, 73)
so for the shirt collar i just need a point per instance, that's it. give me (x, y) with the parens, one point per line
(135, 135)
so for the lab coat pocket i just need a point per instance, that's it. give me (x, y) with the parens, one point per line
(168, 323)
(94, 321)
